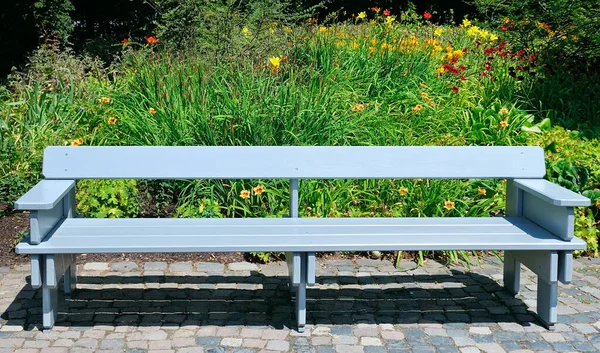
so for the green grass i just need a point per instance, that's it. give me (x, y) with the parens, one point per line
(340, 85)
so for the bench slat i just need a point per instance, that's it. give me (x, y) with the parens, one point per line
(292, 162)
(305, 235)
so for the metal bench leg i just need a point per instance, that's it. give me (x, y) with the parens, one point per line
(301, 296)
(547, 302)
(49, 306)
(512, 273)
(70, 281)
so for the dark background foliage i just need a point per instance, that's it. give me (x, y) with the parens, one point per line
(97, 26)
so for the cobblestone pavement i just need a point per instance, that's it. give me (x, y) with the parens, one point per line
(367, 306)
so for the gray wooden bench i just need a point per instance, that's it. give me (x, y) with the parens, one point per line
(537, 230)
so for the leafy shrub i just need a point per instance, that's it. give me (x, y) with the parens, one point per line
(204, 208)
(226, 27)
(564, 29)
(107, 198)
(53, 18)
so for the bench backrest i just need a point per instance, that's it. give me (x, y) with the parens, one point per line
(133, 162)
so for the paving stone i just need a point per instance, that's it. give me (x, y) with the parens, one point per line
(208, 341)
(210, 267)
(181, 267)
(278, 345)
(392, 335)
(155, 266)
(231, 342)
(371, 341)
(242, 266)
(254, 343)
(96, 266)
(124, 266)
(325, 349)
(112, 344)
(342, 348)
(190, 350)
(341, 330)
(480, 330)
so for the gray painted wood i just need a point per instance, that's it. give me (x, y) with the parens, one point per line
(70, 277)
(45, 195)
(511, 273)
(298, 235)
(293, 162)
(294, 267)
(545, 264)
(565, 266)
(514, 200)
(294, 199)
(558, 220)
(49, 306)
(542, 263)
(547, 302)
(301, 296)
(36, 271)
(55, 267)
(311, 268)
(552, 193)
(44, 222)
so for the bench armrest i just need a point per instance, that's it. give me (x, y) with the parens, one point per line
(551, 193)
(45, 195)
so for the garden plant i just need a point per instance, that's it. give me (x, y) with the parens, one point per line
(377, 77)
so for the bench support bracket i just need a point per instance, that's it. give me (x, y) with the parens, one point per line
(545, 264)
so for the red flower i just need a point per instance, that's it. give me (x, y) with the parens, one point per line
(454, 89)
(125, 41)
(503, 54)
(375, 9)
(488, 51)
(462, 67)
(462, 77)
(521, 52)
(501, 45)
(504, 28)
(532, 57)
(488, 66)
(387, 12)
(427, 15)
(519, 67)
(151, 40)
(484, 74)
(450, 68)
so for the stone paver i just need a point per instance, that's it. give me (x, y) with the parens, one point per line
(362, 306)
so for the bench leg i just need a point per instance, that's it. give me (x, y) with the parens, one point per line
(545, 264)
(49, 306)
(301, 297)
(70, 280)
(512, 273)
(547, 302)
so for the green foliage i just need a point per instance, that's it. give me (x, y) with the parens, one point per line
(107, 198)
(53, 18)
(566, 30)
(204, 208)
(495, 125)
(229, 27)
(586, 229)
(371, 81)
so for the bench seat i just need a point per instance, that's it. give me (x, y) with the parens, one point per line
(76, 235)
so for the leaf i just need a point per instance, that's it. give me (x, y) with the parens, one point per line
(533, 129)
(552, 147)
(545, 124)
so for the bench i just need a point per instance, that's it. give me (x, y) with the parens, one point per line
(536, 231)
